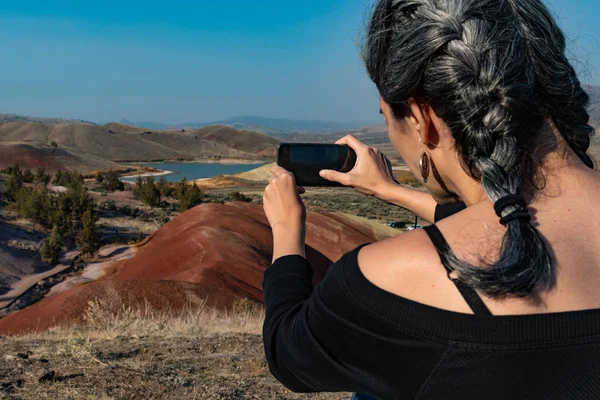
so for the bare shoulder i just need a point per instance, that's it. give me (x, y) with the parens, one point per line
(406, 251)
(409, 266)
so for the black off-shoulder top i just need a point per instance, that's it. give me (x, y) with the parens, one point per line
(348, 335)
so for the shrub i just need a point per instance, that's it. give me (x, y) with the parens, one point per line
(164, 187)
(35, 205)
(62, 212)
(52, 247)
(237, 196)
(53, 144)
(70, 208)
(86, 239)
(109, 181)
(191, 197)
(146, 191)
(15, 183)
(108, 205)
(28, 176)
(42, 177)
(180, 189)
(73, 180)
(57, 177)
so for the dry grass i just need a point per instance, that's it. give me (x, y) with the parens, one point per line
(246, 317)
(199, 354)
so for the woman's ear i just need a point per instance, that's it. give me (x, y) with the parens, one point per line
(438, 132)
(420, 120)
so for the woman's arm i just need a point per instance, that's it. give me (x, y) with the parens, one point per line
(286, 214)
(372, 175)
(320, 339)
(289, 240)
(295, 358)
(418, 202)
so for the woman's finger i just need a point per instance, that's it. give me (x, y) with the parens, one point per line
(353, 143)
(390, 169)
(335, 176)
(276, 170)
(387, 161)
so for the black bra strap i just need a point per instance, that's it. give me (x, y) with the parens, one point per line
(468, 293)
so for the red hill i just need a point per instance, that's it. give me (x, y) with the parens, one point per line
(213, 253)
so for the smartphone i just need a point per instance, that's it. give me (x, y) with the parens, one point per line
(306, 160)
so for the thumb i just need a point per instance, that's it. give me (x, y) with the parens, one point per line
(335, 176)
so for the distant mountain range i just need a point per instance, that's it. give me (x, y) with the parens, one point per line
(282, 127)
(260, 124)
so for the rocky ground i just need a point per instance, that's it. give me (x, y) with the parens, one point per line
(136, 358)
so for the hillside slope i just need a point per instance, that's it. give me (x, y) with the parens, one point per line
(89, 146)
(259, 124)
(212, 254)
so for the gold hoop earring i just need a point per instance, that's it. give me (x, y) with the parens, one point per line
(424, 166)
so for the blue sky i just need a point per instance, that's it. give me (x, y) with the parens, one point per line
(199, 60)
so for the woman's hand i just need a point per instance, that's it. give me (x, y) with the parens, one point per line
(286, 213)
(281, 200)
(372, 173)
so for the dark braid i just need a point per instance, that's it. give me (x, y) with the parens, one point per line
(470, 60)
(565, 100)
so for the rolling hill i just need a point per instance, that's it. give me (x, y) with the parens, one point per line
(212, 254)
(40, 120)
(89, 147)
(260, 124)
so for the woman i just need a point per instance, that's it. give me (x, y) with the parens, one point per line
(499, 300)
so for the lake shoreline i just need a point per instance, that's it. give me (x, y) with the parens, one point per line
(174, 172)
(148, 174)
(229, 161)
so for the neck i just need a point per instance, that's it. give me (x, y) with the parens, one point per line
(470, 191)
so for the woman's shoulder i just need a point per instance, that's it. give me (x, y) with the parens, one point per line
(414, 250)
(409, 265)
(409, 250)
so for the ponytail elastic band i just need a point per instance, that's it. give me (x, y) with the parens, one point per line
(521, 213)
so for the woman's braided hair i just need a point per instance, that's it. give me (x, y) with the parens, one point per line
(495, 71)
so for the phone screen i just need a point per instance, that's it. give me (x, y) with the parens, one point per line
(308, 156)
(306, 160)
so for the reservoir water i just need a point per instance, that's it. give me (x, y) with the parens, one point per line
(193, 171)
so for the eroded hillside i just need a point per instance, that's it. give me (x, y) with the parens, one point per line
(90, 147)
